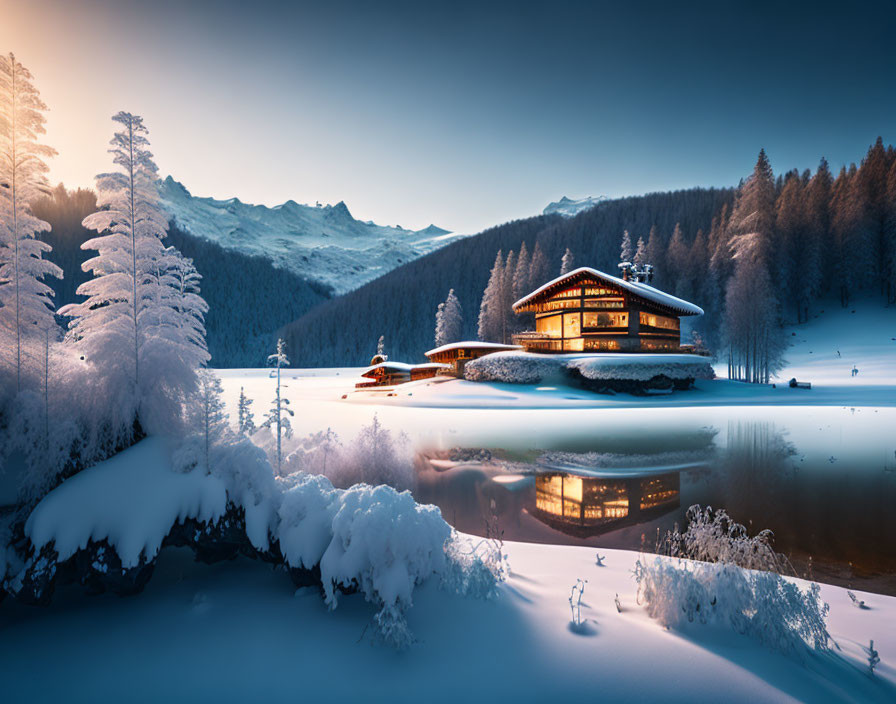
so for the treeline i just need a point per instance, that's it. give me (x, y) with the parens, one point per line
(249, 299)
(402, 304)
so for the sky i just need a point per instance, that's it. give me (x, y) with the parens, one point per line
(461, 114)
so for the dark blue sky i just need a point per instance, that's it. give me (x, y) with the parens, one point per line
(465, 114)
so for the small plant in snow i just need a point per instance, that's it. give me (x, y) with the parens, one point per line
(618, 603)
(858, 603)
(575, 602)
(600, 559)
(873, 657)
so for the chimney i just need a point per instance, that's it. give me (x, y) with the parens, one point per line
(626, 270)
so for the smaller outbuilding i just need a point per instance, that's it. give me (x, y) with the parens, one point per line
(455, 355)
(392, 373)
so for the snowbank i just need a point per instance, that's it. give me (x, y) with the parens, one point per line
(131, 500)
(528, 368)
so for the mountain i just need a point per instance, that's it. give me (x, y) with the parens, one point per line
(323, 244)
(569, 208)
(402, 304)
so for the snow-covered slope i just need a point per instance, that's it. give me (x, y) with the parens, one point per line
(320, 243)
(569, 208)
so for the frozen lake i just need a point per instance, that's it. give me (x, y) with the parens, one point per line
(818, 471)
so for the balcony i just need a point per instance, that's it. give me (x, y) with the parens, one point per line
(538, 342)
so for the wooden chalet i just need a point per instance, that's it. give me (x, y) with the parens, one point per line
(392, 373)
(456, 354)
(589, 311)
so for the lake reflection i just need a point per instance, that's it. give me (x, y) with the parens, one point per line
(839, 513)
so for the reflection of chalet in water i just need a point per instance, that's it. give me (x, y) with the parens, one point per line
(585, 506)
(589, 311)
(457, 354)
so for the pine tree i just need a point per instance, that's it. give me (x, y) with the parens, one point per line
(566, 263)
(626, 254)
(505, 310)
(449, 321)
(789, 228)
(656, 254)
(677, 262)
(521, 283)
(489, 309)
(890, 236)
(817, 237)
(539, 268)
(135, 324)
(26, 307)
(245, 417)
(381, 346)
(278, 415)
(754, 208)
(640, 258)
(209, 416)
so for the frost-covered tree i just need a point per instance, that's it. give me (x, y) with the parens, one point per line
(26, 307)
(381, 346)
(449, 320)
(521, 282)
(640, 258)
(539, 267)
(626, 253)
(245, 417)
(137, 325)
(490, 320)
(277, 418)
(566, 263)
(209, 419)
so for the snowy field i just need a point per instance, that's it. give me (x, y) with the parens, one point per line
(239, 632)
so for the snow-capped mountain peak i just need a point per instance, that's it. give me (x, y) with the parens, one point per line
(322, 243)
(567, 207)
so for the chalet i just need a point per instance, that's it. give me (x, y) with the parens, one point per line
(589, 311)
(392, 373)
(456, 354)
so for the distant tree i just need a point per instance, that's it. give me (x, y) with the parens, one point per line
(790, 223)
(381, 346)
(640, 257)
(626, 253)
(816, 238)
(26, 307)
(522, 274)
(245, 417)
(505, 310)
(890, 236)
(490, 321)
(677, 261)
(449, 321)
(539, 268)
(656, 255)
(754, 208)
(566, 263)
(208, 415)
(277, 417)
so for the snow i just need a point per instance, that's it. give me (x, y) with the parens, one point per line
(472, 345)
(132, 500)
(529, 368)
(568, 208)
(238, 631)
(324, 244)
(636, 287)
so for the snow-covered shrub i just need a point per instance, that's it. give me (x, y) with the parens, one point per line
(383, 543)
(513, 367)
(762, 605)
(318, 453)
(374, 457)
(474, 568)
(713, 536)
(306, 520)
(642, 367)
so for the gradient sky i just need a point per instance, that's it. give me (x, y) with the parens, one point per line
(461, 114)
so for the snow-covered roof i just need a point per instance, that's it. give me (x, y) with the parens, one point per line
(403, 367)
(473, 345)
(636, 287)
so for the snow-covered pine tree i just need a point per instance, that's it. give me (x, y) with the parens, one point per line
(381, 346)
(278, 415)
(449, 320)
(566, 263)
(505, 310)
(489, 321)
(135, 325)
(521, 283)
(539, 268)
(245, 417)
(26, 307)
(677, 257)
(209, 417)
(640, 258)
(626, 253)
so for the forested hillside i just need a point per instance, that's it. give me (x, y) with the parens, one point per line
(248, 297)
(402, 304)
